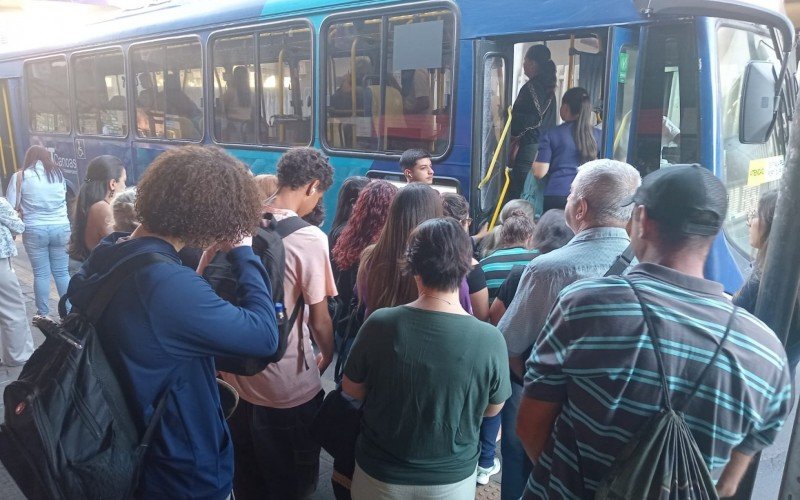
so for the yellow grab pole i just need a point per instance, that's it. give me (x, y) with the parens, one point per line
(8, 124)
(353, 76)
(497, 151)
(281, 96)
(500, 200)
(571, 70)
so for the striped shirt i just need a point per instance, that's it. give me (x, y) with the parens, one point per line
(497, 266)
(595, 357)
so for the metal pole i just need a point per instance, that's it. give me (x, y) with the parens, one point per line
(777, 294)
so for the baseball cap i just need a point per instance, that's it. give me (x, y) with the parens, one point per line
(688, 198)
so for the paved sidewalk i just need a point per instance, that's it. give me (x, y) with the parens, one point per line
(9, 490)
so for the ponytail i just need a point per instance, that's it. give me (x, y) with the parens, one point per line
(580, 105)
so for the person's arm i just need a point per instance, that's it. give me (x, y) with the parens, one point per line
(354, 390)
(11, 192)
(319, 321)
(493, 410)
(9, 217)
(496, 311)
(732, 474)
(195, 321)
(542, 164)
(535, 424)
(540, 169)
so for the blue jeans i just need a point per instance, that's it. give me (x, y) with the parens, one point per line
(47, 250)
(489, 429)
(516, 465)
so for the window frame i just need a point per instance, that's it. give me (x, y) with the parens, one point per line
(778, 128)
(364, 13)
(74, 90)
(255, 30)
(51, 57)
(130, 69)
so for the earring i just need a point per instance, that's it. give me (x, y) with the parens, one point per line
(112, 191)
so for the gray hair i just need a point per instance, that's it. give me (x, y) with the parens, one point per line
(606, 184)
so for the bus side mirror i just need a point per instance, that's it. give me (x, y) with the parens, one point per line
(757, 105)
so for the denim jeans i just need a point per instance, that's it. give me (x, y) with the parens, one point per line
(47, 250)
(489, 429)
(516, 465)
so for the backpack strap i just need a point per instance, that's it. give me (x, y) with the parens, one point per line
(659, 359)
(289, 225)
(621, 264)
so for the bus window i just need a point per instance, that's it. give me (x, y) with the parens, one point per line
(286, 86)
(387, 90)
(48, 95)
(169, 91)
(667, 123)
(234, 89)
(101, 102)
(493, 122)
(749, 169)
(626, 83)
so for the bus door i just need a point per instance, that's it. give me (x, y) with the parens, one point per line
(8, 159)
(623, 56)
(492, 87)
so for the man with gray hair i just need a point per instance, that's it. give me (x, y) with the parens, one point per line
(596, 214)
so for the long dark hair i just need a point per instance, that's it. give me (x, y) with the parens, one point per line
(241, 82)
(100, 171)
(766, 212)
(381, 264)
(348, 195)
(36, 154)
(580, 105)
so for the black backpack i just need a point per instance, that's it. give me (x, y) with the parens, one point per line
(68, 430)
(662, 460)
(268, 246)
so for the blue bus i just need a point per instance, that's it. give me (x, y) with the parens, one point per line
(673, 81)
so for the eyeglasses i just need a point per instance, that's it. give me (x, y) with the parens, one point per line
(467, 221)
(751, 215)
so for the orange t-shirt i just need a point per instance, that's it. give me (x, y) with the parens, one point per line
(294, 379)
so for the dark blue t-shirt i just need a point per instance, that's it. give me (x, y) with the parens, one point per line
(557, 147)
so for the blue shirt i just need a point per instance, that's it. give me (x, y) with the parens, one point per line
(588, 255)
(557, 147)
(595, 357)
(44, 203)
(162, 330)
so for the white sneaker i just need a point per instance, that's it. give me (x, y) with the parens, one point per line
(485, 474)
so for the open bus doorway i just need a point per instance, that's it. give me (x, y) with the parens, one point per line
(8, 158)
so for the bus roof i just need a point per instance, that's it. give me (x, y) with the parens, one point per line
(179, 16)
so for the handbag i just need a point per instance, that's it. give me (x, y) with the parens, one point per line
(337, 424)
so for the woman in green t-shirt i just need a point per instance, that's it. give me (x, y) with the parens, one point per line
(428, 372)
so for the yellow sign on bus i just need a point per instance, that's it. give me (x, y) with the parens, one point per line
(765, 170)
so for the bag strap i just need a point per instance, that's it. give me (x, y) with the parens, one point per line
(657, 350)
(621, 264)
(289, 225)
(20, 176)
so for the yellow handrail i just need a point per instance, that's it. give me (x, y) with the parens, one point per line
(8, 124)
(281, 95)
(500, 199)
(571, 67)
(500, 144)
(353, 76)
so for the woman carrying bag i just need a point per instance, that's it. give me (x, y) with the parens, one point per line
(534, 111)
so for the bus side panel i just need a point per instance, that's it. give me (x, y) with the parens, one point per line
(89, 148)
(721, 265)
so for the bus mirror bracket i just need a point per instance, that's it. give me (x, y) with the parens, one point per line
(758, 105)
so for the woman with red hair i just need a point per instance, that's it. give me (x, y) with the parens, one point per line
(369, 216)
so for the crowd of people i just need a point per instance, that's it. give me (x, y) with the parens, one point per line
(444, 340)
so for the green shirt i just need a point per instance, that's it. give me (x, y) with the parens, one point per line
(429, 376)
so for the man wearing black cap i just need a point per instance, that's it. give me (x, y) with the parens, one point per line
(592, 379)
